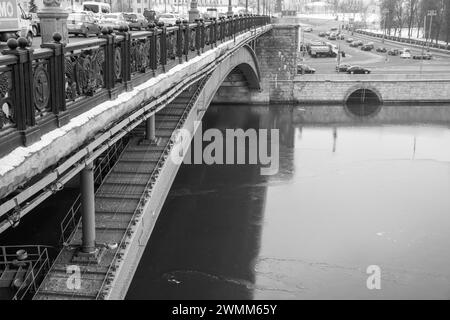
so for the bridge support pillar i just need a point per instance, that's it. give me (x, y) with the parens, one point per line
(88, 252)
(150, 131)
(88, 208)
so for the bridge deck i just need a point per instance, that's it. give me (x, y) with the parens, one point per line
(116, 202)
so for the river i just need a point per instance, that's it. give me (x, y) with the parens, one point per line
(349, 194)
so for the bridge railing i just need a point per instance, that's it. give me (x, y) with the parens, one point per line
(43, 89)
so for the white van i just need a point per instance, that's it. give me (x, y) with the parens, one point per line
(14, 22)
(405, 54)
(98, 8)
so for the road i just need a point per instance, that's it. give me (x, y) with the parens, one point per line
(378, 63)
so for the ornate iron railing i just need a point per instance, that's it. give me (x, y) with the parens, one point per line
(44, 88)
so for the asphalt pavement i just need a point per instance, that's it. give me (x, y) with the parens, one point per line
(378, 63)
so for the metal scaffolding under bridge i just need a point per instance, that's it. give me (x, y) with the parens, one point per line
(117, 206)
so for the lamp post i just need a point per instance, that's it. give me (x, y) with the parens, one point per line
(230, 8)
(193, 12)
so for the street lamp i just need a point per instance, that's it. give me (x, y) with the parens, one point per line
(193, 12)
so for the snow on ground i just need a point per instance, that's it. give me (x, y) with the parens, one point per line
(345, 17)
(404, 34)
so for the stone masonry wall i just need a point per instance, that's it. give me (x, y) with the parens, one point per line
(277, 57)
(276, 51)
(390, 91)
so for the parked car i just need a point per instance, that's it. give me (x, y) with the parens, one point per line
(308, 29)
(305, 69)
(343, 67)
(135, 21)
(366, 47)
(425, 56)
(82, 23)
(358, 69)
(114, 20)
(393, 52)
(332, 36)
(354, 44)
(382, 50)
(405, 54)
(169, 19)
(350, 40)
(322, 34)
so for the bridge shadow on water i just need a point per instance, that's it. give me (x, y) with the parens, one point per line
(206, 242)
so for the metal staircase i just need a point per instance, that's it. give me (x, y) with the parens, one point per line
(117, 204)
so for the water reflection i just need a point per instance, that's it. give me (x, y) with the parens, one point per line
(350, 193)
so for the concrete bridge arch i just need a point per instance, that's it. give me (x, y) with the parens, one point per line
(243, 61)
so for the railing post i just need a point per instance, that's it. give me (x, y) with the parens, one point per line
(126, 58)
(22, 84)
(56, 71)
(221, 29)
(198, 35)
(239, 24)
(179, 41)
(187, 38)
(163, 45)
(202, 37)
(153, 53)
(214, 33)
(108, 68)
(211, 34)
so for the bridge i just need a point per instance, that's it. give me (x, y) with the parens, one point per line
(104, 112)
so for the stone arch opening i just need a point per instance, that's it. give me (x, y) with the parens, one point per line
(363, 102)
(238, 85)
